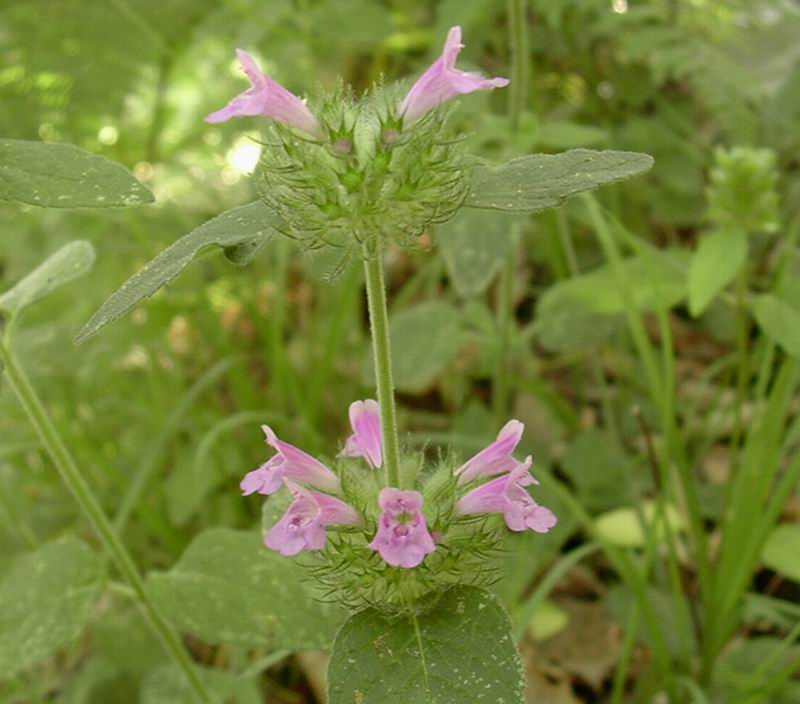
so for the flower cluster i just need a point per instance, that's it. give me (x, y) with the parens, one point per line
(378, 533)
(355, 171)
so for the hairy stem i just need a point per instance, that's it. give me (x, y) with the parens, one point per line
(379, 327)
(70, 473)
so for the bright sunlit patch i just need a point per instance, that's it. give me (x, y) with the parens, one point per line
(244, 155)
(619, 6)
(108, 134)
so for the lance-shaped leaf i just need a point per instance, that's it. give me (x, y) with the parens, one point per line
(64, 176)
(541, 181)
(460, 651)
(69, 262)
(241, 232)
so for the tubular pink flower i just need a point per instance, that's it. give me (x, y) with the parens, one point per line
(290, 463)
(443, 81)
(402, 539)
(508, 495)
(365, 419)
(268, 98)
(495, 458)
(303, 525)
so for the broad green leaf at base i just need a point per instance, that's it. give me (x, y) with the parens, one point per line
(241, 232)
(64, 176)
(460, 652)
(45, 601)
(228, 588)
(539, 181)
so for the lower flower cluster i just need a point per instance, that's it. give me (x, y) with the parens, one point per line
(388, 546)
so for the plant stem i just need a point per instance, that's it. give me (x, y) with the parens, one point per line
(518, 97)
(379, 328)
(70, 473)
(518, 36)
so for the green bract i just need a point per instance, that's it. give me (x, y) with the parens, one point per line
(370, 179)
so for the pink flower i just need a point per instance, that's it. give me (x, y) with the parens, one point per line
(402, 539)
(268, 98)
(303, 525)
(289, 463)
(508, 495)
(495, 458)
(443, 81)
(365, 418)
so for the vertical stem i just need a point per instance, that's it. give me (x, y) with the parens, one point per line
(518, 97)
(379, 327)
(518, 35)
(70, 473)
(505, 295)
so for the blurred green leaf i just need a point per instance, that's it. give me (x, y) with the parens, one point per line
(719, 257)
(547, 620)
(658, 276)
(168, 685)
(228, 588)
(68, 263)
(599, 470)
(473, 244)
(240, 232)
(460, 651)
(46, 598)
(63, 176)
(333, 20)
(779, 320)
(541, 181)
(622, 526)
(781, 552)
(425, 339)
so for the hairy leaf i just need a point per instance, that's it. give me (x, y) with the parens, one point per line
(539, 181)
(228, 588)
(240, 231)
(68, 263)
(64, 176)
(460, 651)
(46, 599)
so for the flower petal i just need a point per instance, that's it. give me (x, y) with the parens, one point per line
(268, 98)
(495, 458)
(301, 466)
(442, 81)
(365, 419)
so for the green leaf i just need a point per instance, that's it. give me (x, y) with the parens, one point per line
(46, 598)
(782, 551)
(473, 245)
(240, 231)
(779, 320)
(227, 587)
(64, 176)
(425, 339)
(719, 257)
(597, 292)
(68, 263)
(460, 651)
(623, 527)
(168, 685)
(540, 181)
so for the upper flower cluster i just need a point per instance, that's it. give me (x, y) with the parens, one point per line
(352, 171)
(391, 521)
(440, 82)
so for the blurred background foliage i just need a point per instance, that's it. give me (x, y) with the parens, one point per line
(162, 408)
